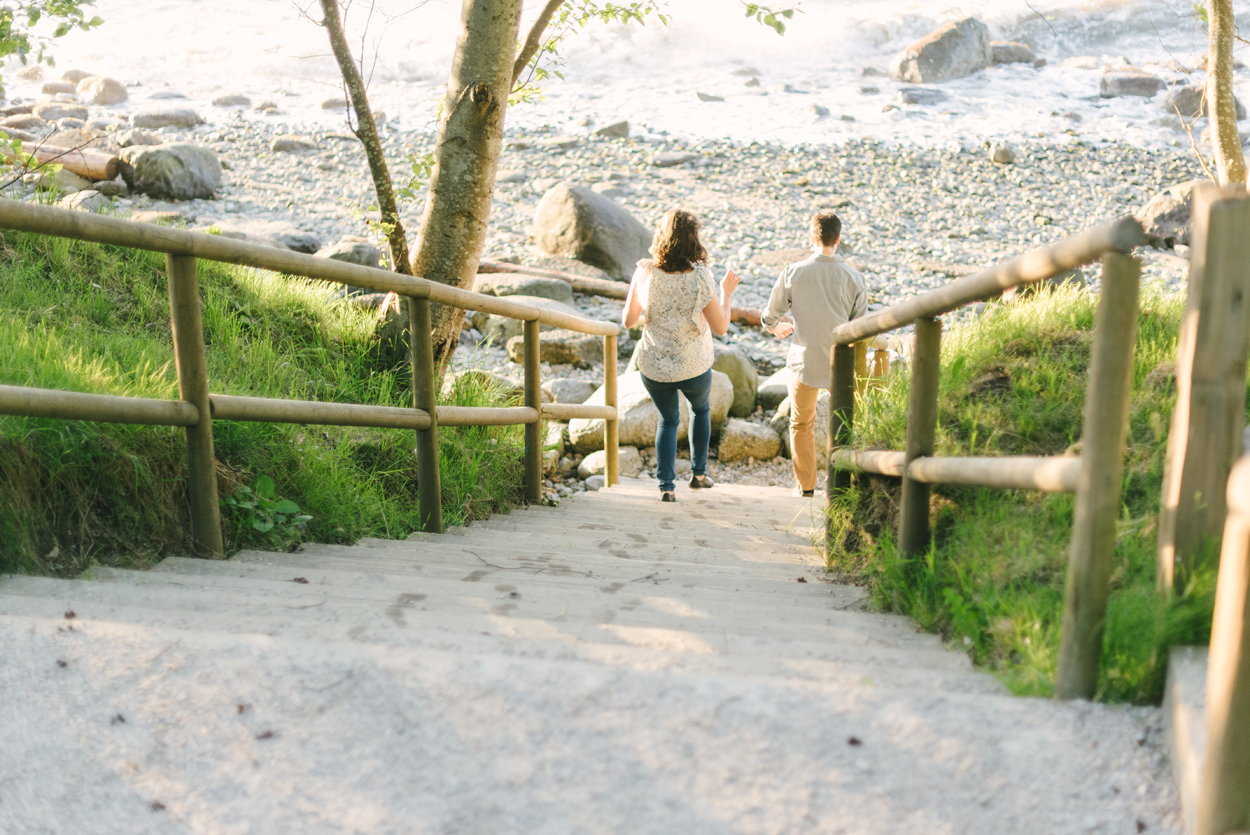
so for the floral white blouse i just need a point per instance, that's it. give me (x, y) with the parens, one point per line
(676, 339)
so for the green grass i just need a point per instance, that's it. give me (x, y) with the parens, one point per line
(92, 318)
(1013, 383)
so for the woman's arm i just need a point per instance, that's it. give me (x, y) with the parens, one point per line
(717, 312)
(633, 307)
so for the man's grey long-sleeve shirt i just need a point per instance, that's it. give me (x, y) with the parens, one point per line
(821, 293)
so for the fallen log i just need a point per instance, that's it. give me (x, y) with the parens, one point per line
(85, 162)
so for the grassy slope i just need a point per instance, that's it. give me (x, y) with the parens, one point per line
(1013, 383)
(92, 318)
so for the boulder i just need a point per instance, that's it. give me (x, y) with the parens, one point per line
(503, 328)
(52, 88)
(1166, 218)
(736, 365)
(176, 117)
(27, 121)
(232, 101)
(919, 95)
(742, 439)
(352, 249)
(561, 347)
(628, 460)
(177, 171)
(335, 103)
(23, 135)
(289, 143)
(672, 159)
(75, 76)
(1190, 101)
(64, 181)
(226, 230)
(637, 417)
(516, 284)
(1010, 52)
(502, 390)
(616, 130)
(87, 200)
(113, 188)
(577, 222)
(1002, 153)
(135, 136)
(564, 390)
(100, 89)
(50, 111)
(773, 390)
(83, 138)
(167, 94)
(1128, 83)
(32, 73)
(780, 422)
(953, 50)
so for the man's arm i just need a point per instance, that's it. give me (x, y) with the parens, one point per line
(859, 303)
(778, 306)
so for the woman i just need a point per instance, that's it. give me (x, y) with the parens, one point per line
(674, 295)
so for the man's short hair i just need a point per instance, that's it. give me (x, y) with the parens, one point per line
(826, 228)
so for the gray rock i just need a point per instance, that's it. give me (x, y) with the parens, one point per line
(595, 483)
(1002, 153)
(773, 390)
(167, 94)
(69, 123)
(87, 200)
(23, 135)
(577, 222)
(135, 136)
(517, 284)
(65, 181)
(564, 390)
(226, 230)
(113, 188)
(279, 233)
(953, 50)
(52, 88)
(1166, 218)
(628, 460)
(616, 130)
(50, 111)
(26, 121)
(672, 160)
(1190, 101)
(100, 89)
(178, 171)
(232, 101)
(562, 347)
(334, 104)
(1129, 83)
(558, 143)
(32, 73)
(288, 143)
(511, 177)
(735, 364)
(298, 241)
(74, 76)
(819, 110)
(708, 97)
(919, 95)
(352, 249)
(178, 117)
(81, 138)
(1010, 52)
(742, 439)
(502, 328)
(502, 391)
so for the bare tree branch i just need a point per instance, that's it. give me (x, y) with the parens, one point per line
(535, 38)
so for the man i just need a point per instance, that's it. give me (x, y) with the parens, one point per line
(821, 293)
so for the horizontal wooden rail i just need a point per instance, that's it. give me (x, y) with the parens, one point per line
(1049, 475)
(575, 411)
(486, 416)
(85, 226)
(231, 407)
(106, 408)
(1035, 265)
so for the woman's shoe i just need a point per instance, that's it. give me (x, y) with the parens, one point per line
(668, 496)
(700, 482)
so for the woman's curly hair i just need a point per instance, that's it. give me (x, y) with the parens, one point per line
(676, 246)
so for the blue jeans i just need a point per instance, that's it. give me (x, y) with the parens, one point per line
(664, 395)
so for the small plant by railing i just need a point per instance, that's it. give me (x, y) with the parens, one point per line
(258, 512)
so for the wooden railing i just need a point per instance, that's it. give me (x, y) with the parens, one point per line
(1224, 793)
(1094, 477)
(197, 408)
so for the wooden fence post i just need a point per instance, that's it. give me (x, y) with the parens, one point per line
(861, 366)
(841, 422)
(611, 440)
(1091, 556)
(1224, 797)
(922, 407)
(1205, 438)
(533, 399)
(424, 396)
(192, 366)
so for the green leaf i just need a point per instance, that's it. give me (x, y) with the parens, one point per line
(263, 525)
(264, 486)
(285, 506)
(751, 9)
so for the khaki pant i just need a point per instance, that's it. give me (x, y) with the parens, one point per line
(803, 433)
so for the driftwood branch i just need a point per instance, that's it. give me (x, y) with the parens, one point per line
(535, 38)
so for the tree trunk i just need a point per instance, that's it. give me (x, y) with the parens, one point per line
(367, 132)
(1220, 101)
(470, 138)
